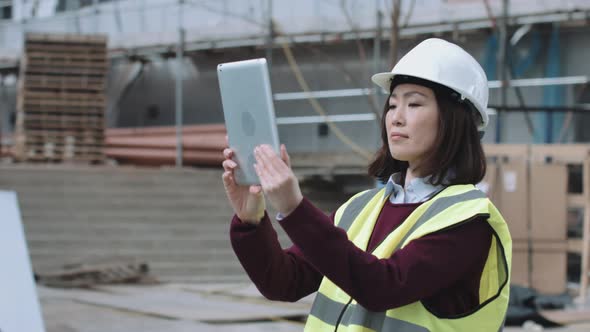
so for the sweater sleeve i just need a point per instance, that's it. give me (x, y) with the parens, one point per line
(418, 271)
(280, 275)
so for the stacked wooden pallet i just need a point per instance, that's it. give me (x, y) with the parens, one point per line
(61, 99)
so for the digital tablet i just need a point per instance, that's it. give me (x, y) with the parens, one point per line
(249, 113)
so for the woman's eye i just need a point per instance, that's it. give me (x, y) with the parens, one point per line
(414, 105)
(391, 107)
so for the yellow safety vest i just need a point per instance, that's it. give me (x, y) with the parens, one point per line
(334, 309)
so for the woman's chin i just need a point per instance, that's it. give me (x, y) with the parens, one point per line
(397, 155)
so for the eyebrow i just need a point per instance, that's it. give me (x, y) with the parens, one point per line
(410, 93)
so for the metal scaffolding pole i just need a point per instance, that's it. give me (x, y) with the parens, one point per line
(270, 35)
(502, 67)
(178, 85)
(377, 45)
(346, 93)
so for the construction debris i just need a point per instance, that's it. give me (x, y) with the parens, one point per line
(98, 271)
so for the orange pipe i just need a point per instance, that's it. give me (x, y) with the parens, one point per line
(166, 130)
(191, 142)
(164, 157)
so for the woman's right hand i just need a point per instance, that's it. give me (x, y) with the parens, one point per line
(247, 201)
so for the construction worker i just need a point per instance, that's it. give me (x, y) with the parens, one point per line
(428, 252)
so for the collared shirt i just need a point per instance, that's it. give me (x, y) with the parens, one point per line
(418, 190)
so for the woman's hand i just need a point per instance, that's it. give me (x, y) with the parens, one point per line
(277, 179)
(247, 201)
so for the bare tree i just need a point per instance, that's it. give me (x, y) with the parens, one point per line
(394, 39)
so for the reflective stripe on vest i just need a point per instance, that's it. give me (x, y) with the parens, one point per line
(326, 312)
(355, 314)
(355, 207)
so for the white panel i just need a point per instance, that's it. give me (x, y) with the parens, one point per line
(19, 306)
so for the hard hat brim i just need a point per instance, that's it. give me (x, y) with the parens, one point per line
(383, 80)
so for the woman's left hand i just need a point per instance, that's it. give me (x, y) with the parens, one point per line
(277, 179)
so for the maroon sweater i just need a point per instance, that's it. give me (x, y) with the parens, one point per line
(442, 269)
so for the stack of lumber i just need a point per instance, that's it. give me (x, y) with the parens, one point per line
(61, 99)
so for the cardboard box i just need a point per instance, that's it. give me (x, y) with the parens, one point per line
(488, 184)
(520, 264)
(549, 266)
(506, 185)
(548, 201)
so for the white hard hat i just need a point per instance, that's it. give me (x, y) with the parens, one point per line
(447, 64)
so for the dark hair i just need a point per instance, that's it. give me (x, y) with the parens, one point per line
(457, 156)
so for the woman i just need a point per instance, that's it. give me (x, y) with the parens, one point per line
(429, 252)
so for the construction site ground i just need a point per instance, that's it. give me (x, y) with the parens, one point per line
(181, 308)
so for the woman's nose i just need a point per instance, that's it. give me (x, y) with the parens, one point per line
(398, 116)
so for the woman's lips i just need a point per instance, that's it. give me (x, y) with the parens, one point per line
(397, 136)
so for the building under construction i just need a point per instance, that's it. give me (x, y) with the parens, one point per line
(93, 93)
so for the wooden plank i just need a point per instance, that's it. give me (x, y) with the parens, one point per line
(566, 153)
(67, 57)
(574, 246)
(576, 201)
(65, 138)
(96, 271)
(64, 58)
(66, 63)
(52, 152)
(510, 151)
(83, 121)
(246, 291)
(64, 123)
(69, 49)
(52, 95)
(53, 86)
(60, 156)
(62, 150)
(64, 118)
(65, 133)
(63, 103)
(66, 112)
(82, 158)
(58, 148)
(62, 79)
(33, 108)
(65, 71)
(65, 315)
(65, 38)
(62, 126)
(174, 304)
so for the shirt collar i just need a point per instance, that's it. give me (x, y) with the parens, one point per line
(418, 190)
